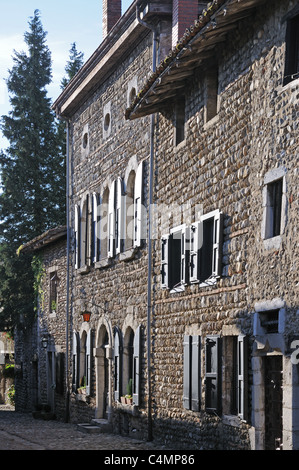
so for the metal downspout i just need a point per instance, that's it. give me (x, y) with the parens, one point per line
(67, 393)
(149, 274)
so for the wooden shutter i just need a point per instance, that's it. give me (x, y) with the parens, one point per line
(111, 221)
(88, 362)
(242, 359)
(117, 366)
(212, 376)
(136, 366)
(138, 202)
(75, 374)
(120, 216)
(187, 373)
(77, 236)
(195, 373)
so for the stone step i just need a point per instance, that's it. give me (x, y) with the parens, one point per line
(103, 424)
(88, 428)
(96, 426)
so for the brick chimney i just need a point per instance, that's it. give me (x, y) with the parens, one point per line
(184, 12)
(111, 14)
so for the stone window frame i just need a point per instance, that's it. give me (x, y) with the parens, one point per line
(270, 177)
(52, 271)
(132, 85)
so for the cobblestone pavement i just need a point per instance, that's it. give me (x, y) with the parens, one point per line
(20, 431)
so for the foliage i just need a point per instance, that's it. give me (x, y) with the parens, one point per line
(11, 395)
(129, 389)
(32, 196)
(73, 65)
(9, 371)
(38, 276)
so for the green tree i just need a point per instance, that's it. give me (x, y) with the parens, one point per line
(73, 65)
(32, 198)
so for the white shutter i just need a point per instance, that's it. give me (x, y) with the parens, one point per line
(120, 212)
(111, 220)
(165, 261)
(185, 246)
(138, 209)
(95, 227)
(88, 362)
(217, 244)
(195, 374)
(77, 236)
(195, 245)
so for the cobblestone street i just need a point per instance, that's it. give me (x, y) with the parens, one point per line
(20, 431)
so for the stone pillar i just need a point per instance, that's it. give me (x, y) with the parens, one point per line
(111, 14)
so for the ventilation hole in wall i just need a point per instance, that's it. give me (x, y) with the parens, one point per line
(132, 95)
(85, 140)
(107, 122)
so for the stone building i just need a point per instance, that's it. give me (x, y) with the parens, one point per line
(182, 183)
(41, 350)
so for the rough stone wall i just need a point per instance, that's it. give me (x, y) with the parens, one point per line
(221, 165)
(121, 285)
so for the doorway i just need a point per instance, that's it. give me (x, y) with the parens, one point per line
(273, 402)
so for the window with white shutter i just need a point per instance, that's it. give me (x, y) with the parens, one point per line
(242, 386)
(206, 248)
(175, 258)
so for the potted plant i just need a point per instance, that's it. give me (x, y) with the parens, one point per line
(82, 389)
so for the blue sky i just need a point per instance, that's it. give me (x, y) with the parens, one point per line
(66, 21)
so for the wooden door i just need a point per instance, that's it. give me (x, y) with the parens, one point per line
(273, 403)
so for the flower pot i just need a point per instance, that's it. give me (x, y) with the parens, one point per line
(123, 400)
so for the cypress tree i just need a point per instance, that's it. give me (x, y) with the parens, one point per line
(32, 199)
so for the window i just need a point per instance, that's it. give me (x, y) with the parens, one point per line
(211, 92)
(291, 71)
(191, 373)
(274, 206)
(174, 258)
(205, 247)
(53, 292)
(117, 365)
(131, 361)
(129, 221)
(83, 233)
(111, 220)
(213, 374)
(274, 200)
(235, 387)
(180, 118)
(119, 217)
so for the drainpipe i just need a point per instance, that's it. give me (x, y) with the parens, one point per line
(149, 274)
(67, 391)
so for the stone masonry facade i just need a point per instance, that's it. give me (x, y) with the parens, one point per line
(196, 320)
